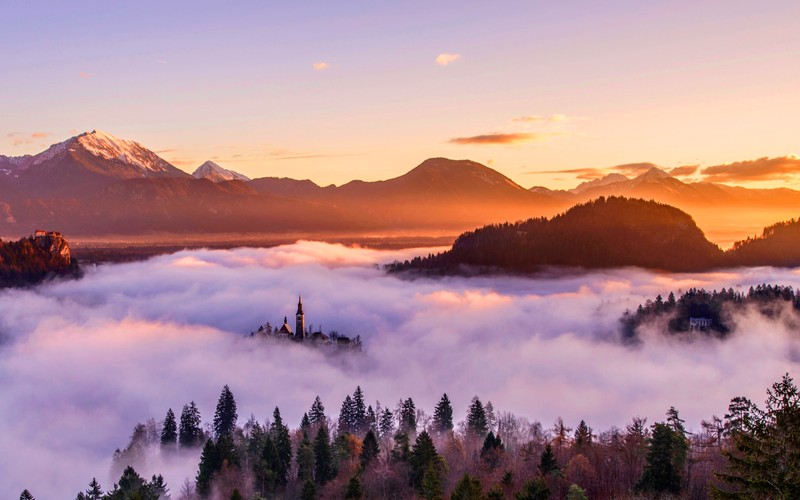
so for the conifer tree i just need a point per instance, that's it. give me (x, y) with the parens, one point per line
(347, 416)
(665, 457)
(169, 432)
(209, 464)
(309, 491)
(468, 488)
(354, 490)
(95, 492)
(305, 460)
(283, 445)
(408, 417)
(26, 495)
(492, 450)
(317, 413)
(583, 436)
(443, 416)
(189, 432)
(386, 423)
(360, 423)
(305, 423)
(225, 416)
(323, 457)
(547, 461)
(534, 489)
(424, 461)
(402, 447)
(372, 420)
(476, 419)
(369, 449)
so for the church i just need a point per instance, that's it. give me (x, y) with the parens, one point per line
(303, 334)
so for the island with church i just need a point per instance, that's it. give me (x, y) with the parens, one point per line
(305, 335)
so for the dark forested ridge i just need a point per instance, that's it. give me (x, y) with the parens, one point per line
(778, 245)
(709, 313)
(375, 452)
(33, 259)
(603, 233)
(607, 233)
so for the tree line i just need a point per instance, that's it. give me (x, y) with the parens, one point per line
(371, 451)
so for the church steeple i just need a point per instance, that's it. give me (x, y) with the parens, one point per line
(300, 323)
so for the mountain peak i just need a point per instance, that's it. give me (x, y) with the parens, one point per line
(213, 172)
(603, 181)
(654, 173)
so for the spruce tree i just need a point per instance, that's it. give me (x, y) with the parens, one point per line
(283, 445)
(662, 472)
(225, 416)
(354, 490)
(317, 413)
(468, 488)
(372, 420)
(305, 423)
(402, 447)
(408, 417)
(189, 432)
(95, 492)
(476, 419)
(534, 489)
(209, 464)
(169, 432)
(443, 416)
(583, 436)
(309, 491)
(305, 460)
(347, 416)
(323, 457)
(26, 495)
(386, 423)
(369, 449)
(547, 461)
(423, 456)
(360, 423)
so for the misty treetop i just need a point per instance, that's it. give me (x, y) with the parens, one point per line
(688, 312)
(750, 452)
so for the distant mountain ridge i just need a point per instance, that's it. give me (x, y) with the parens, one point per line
(96, 184)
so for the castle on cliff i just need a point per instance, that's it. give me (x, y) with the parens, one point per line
(303, 334)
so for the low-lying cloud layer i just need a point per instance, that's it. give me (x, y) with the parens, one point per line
(82, 362)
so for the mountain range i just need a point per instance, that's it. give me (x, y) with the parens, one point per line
(97, 184)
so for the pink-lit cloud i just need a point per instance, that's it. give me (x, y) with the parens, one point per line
(446, 58)
(499, 138)
(321, 66)
(762, 169)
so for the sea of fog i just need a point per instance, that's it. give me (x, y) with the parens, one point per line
(81, 362)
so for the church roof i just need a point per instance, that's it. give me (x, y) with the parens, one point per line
(285, 328)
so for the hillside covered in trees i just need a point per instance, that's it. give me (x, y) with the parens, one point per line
(603, 233)
(33, 259)
(606, 233)
(716, 306)
(375, 452)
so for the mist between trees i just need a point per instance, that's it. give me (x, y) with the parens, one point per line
(378, 451)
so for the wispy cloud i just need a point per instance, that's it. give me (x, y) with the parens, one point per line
(499, 138)
(321, 66)
(634, 169)
(84, 75)
(683, 171)
(446, 58)
(579, 173)
(18, 138)
(541, 119)
(761, 169)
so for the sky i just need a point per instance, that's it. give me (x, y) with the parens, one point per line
(334, 91)
(83, 361)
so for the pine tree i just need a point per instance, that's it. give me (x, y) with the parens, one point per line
(354, 490)
(317, 413)
(209, 464)
(305, 460)
(305, 423)
(225, 417)
(26, 495)
(534, 489)
(402, 449)
(347, 416)
(95, 492)
(323, 459)
(423, 461)
(443, 416)
(386, 423)
(369, 449)
(492, 450)
(372, 420)
(189, 432)
(468, 488)
(547, 461)
(476, 419)
(583, 436)
(576, 493)
(408, 417)
(283, 445)
(360, 423)
(169, 432)
(432, 487)
(662, 473)
(309, 491)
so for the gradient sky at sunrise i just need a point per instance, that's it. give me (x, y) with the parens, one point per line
(337, 90)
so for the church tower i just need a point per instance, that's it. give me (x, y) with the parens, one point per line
(300, 324)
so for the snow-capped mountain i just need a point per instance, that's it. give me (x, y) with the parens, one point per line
(603, 181)
(83, 163)
(213, 172)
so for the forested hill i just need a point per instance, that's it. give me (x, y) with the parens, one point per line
(602, 233)
(31, 260)
(778, 245)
